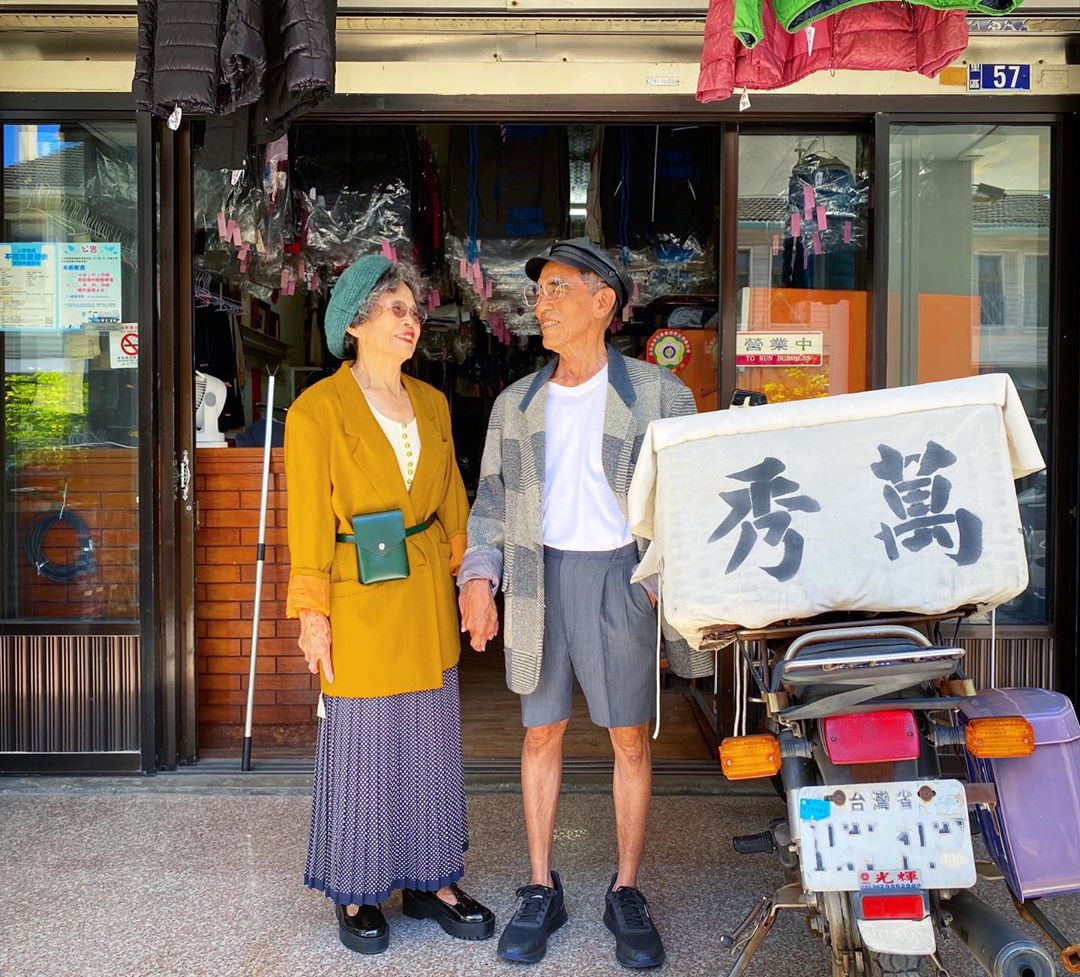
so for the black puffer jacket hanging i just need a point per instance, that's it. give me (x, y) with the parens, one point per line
(178, 61)
(216, 56)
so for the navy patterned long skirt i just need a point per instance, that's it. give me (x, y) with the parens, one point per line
(388, 809)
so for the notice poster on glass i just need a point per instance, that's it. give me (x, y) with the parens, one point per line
(59, 286)
(28, 283)
(89, 285)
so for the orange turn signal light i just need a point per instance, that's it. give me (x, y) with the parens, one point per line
(999, 736)
(747, 757)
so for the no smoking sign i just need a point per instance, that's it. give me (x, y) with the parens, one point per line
(124, 348)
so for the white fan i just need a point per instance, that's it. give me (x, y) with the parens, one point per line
(209, 403)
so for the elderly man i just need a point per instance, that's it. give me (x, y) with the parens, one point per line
(550, 524)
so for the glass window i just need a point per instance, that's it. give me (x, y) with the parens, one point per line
(990, 288)
(802, 270)
(969, 283)
(69, 385)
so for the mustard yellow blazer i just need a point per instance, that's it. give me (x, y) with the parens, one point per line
(399, 635)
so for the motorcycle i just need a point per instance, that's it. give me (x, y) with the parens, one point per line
(858, 721)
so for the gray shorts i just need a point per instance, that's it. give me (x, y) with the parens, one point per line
(601, 629)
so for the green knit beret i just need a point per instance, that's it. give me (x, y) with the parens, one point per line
(350, 292)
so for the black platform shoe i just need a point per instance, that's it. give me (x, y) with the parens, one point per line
(366, 932)
(467, 919)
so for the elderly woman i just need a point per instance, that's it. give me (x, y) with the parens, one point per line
(377, 515)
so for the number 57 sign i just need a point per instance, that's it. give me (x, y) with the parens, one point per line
(999, 77)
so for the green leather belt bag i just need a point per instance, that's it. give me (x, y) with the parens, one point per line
(380, 545)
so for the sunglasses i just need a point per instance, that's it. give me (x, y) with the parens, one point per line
(401, 310)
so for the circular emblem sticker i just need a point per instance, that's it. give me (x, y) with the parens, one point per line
(669, 348)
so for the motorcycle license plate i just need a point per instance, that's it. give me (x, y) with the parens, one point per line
(910, 833)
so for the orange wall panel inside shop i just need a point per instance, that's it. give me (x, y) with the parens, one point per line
(228, 482)
(948, 337)
(101, 490)
(841, 316)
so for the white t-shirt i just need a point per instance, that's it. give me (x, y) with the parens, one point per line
(580, 510)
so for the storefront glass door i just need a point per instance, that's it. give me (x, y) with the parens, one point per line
(969, 285)
(69, 440)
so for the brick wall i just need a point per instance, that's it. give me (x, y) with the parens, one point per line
(102, 486)
(227, 486)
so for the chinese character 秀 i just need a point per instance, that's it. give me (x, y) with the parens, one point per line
(752, 510)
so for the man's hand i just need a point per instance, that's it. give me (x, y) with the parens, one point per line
(314, 642)
(478, 614)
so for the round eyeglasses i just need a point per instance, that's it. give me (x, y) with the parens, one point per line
(553, 291)
(401, 310)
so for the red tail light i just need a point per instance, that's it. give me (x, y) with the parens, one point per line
(872, 737)
(908, 906)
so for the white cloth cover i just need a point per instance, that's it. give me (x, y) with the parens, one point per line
(893, 500)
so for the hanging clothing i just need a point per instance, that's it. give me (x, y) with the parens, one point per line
(508, 181)
(750, 16)
(882, 36)
(656, 185)
(217, 56)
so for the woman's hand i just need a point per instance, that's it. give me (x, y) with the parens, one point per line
(478, 613)
(314, 642)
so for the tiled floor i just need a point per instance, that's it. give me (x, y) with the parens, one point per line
(101, 881)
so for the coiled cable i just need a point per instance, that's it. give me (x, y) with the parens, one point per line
(34, 544)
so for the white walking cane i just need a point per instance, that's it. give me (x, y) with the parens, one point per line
(245, 762)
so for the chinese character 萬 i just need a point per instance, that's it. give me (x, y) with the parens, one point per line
(752, 508)
(919, 502)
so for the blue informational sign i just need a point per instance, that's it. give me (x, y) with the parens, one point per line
(999, 77)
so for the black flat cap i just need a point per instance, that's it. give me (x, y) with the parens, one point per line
(581, 253)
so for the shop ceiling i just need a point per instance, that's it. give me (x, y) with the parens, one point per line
(510, 47)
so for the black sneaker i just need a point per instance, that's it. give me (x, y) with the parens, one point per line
(637, 941)
(366, 932)
(540, 912)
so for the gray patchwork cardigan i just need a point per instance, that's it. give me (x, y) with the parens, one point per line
(506, 536)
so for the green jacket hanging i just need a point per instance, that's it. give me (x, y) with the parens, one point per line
(794, 15)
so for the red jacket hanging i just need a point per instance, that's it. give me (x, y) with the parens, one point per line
(883, 36)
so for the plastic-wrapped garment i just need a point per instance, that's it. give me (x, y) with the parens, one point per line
(112, 184)
(656, 185)
(672, 267)
(827, 205)
(882, 36)
(493, 284)
(340, 229)
(243, 220)
(364, 180)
